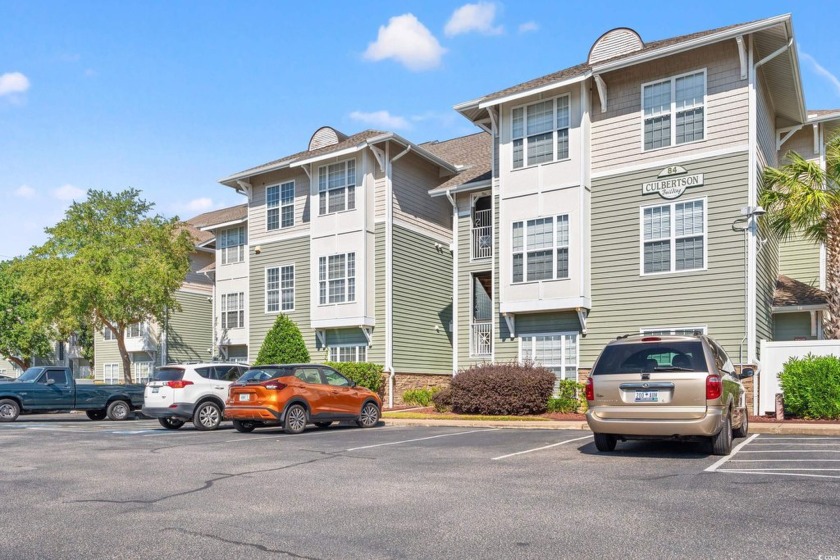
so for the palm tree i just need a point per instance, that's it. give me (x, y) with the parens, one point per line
(802, 197)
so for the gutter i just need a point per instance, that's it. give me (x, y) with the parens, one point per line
(454, 251)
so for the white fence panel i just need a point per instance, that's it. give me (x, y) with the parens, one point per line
(773, 358)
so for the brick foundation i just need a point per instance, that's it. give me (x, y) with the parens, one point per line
(405, 381)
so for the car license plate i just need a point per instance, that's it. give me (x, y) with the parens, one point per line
(155, 389)
(647, 396)
(245, 397)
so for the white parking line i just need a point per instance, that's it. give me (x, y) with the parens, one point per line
(731, 471)
(785, 461)
(738, 448)
(422, 439)
(796, 451)
(768, 444)
(540, 448)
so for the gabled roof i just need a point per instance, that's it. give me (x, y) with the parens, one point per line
(221, 216)
(793, 293)
(472, 155)
(199, 237)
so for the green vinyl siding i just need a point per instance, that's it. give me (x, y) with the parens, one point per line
(466, 269)
(104, 352)
(624, 301)
(376, 352)
(790, 326)
(799, 258)
(280, 253)
(422, 279)
(767, 271)
(189, 335)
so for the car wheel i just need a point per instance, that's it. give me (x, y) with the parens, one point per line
(207, 416)
(722, 442)
(9, 410)
(295, 421)
(244, 426)
(323, 424)
(369, 416)
(744, 429)
(118, 410)
(171, 423)
(95, 414)
(605, 442)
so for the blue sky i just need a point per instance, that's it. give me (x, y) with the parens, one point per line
(170, 96)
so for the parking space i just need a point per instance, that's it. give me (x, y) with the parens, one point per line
(788, 456)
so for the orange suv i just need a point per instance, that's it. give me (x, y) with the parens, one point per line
(294, 395)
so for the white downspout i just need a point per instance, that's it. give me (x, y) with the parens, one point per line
(389, 270)
(454, 204)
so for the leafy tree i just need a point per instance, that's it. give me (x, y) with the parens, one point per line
(111, 263)
(283, 344)
(23, 335)
(801, 197)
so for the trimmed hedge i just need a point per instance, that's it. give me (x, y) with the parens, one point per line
(365, 374)
(502, 389)
(283, 344)
(812, 386)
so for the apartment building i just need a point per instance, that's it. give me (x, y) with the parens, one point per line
(623, 199)
(344, 238)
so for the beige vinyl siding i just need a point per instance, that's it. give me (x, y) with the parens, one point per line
(790, 326)
(257, 232)
(376, 352)
(280, 253)
(189, 336)
(412, 177)
(466, 268)
(8, 368)
(379, 194)
(765, 124)
(624, 301)
(422, 304)
(617, 134)
(801, 142)
(614, 43)
(104, 352)
(767, 272)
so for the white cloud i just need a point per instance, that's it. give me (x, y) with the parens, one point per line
(68, 192)
(473, 17)
(381, 119)
(407, 41)
(822, 71)
(25, 191)
(199, 204)
(528, 27)
(12, 83)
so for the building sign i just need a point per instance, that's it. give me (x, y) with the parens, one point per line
(672, 182)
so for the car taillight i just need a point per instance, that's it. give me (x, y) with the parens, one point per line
(651, 339)
(274, 385)
(714, 387)
(178, 384)
(590, 390)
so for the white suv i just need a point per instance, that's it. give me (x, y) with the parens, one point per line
(180, 393)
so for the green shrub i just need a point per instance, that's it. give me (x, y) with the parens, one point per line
(365, 374)
(420, 397)
(443, 400)
(812, 386)
(502, 389)
(567, 398)
(283, 344)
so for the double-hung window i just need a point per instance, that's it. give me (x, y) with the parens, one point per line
(541, 249)
(348, 353)
(111, 373)
(337, 278)
(280, 205)
(337, 187)
(232, 245)
(108, 334)
(540, 132)
(134, 330)
(674, 237)
(280, 288)
(674, 110)
(233, 310)
(557, 352)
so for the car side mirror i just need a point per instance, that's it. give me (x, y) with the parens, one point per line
(50, 381)
(746, 372)
(352, 383)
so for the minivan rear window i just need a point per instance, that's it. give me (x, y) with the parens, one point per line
(258, 375)
(647, 357)
(168, 374)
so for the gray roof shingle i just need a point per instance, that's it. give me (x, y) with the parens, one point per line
(790, 292)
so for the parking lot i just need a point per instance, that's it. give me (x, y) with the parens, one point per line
(73, 488)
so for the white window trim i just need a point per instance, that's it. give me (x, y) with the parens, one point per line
(108, 334)
(241, 247)
(281, 205)
(224, 301)
(672, 236)
(554, 251)
(279, 288)
(114, 367)
(562, 348)
(347, 345)
(673, 80)
(554, 129)
(148, 364)
(347, 277)
(702, 328)
(141, 328)
(355, 186)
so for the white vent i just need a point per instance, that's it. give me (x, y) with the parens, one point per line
(616, 42)
(325, 136)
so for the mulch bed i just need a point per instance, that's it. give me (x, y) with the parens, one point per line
(790, 420)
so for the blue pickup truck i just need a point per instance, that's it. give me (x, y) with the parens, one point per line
(53, 389)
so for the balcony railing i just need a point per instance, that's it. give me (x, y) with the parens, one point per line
(482, 234)
(481, 339)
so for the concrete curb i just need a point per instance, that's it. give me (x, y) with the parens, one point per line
(755, 427)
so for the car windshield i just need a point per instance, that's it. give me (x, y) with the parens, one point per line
(258, 375)
(31, 374)
(168, 374)
(646, 357)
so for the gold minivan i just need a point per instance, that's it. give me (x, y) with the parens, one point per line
(666, 387)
